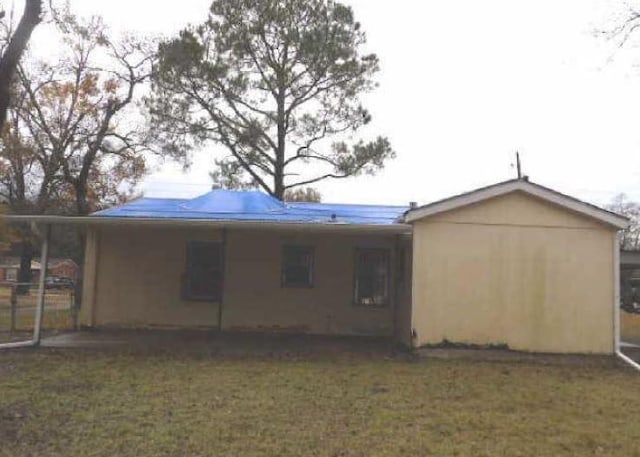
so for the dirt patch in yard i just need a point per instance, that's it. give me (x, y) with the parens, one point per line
(508, 356)
(6, 369)
(12, 417)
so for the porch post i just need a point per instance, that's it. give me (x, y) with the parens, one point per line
(396, 286)
(89, 278)
(224, 276)
(44, 260)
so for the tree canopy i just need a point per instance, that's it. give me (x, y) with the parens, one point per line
(277, 83)
(71, 141)
(74, 139)
(303, 194)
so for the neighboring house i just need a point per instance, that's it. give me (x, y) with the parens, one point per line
(514, 263)
(10, 265)
(63, 268)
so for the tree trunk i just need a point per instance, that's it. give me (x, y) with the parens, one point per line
(18, 43)
(278, 175)
(24, 273)
(82, 203)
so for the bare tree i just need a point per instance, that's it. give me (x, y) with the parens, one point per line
(79, 114)
(630, 238)
(73, 140)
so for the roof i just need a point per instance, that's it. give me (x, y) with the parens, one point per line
(518, 185)
(228, 208)
(239, 209)
(229, 205)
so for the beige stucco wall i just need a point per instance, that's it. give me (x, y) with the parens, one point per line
(514, 270)
(137, 280)
(138, 275)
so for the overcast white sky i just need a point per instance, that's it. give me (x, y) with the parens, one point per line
(464, 84)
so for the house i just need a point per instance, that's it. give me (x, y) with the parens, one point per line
(514, 263)
(9, 267)
(63, 268)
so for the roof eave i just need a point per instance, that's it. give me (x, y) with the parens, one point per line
(397, 228)
(535, 190)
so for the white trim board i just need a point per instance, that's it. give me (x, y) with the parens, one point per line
(517, 185)
(398, 228)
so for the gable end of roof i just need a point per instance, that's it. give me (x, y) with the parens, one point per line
(521, 185)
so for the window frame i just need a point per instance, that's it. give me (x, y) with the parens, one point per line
(11, 274)
(312, 253)
(186, 293)
(356, 263)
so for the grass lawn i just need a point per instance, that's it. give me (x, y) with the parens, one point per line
(52, 319)
(57, 314)
(53, 296)
(77, 403)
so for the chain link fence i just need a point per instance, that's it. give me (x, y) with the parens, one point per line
(18, 310)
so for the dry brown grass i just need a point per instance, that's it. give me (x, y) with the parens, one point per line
(57, 314)
(53, 319)
(53, 296)
(104, 404)
(630, 327)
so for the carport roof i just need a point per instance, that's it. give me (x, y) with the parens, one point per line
(517, 185)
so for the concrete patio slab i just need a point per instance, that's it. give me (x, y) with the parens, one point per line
(244, 344)
(223, 343)
(624, 344)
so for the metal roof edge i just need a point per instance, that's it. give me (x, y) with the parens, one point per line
(222, 223)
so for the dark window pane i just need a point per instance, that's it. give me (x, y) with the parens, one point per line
(372, 277)
(204, 271)
(297, 266)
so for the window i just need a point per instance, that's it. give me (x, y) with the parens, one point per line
(203, 280)
(372, 277)
(11, 274)
(297, 266)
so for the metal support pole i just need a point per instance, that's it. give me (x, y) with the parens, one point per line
(224, 263)
(17, 344)
(14, 305)
(44, 262)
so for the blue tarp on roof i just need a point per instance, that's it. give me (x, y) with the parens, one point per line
(254, 206)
